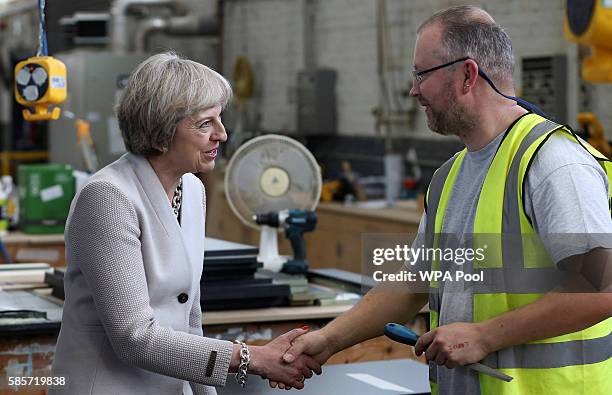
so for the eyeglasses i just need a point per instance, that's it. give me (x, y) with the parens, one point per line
(420, 75)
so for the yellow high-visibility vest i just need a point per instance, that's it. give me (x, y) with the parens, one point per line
(574, 363)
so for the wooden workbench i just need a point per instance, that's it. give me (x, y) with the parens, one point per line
(406, 213)
(337, 240)
(273, 314)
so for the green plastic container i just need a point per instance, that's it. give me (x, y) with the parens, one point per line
(45, 193)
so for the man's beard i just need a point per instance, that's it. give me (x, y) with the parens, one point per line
(452, 119)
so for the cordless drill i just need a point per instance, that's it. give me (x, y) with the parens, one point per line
(295, 223)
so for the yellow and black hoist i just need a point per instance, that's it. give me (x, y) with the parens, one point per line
(40, 81)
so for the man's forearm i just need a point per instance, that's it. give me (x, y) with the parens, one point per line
(367, 319)
(554, 314)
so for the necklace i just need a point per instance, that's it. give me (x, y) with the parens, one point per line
(176, 199)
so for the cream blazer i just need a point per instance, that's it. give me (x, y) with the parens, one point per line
(132, 322)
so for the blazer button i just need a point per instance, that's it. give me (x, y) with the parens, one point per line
(182, 298)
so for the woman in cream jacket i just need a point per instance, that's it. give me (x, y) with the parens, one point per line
(132, 322)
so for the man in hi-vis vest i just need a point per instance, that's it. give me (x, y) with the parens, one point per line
(532, 200)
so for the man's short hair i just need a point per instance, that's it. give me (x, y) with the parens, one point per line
(471, 31)
(160, 92)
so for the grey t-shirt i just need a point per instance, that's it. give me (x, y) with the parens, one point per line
(566, 191)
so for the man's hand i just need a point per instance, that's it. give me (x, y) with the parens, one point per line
(267, 361)
(313, 344)
(453, 345)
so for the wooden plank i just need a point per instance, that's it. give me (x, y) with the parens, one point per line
(22, 238)
(272, 314)
(23, 266)
(23, 276)
(403, 212)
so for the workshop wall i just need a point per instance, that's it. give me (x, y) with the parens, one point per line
(270, 34)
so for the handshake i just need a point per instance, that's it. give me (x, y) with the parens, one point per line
(290, 359)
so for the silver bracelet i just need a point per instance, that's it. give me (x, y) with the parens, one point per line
(245, 359)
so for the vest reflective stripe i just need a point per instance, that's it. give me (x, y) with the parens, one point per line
(488, 218)
(553, 355)
(435, 189)
(511, 214)
(434, 301)
(519, 273)
(446, 190)
(433, 372)
(518, 280)
(590, 379)
(539, 356)
(448, 171)
(433, 377)
(522, 256)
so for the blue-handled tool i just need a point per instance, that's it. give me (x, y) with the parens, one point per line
(401, 334)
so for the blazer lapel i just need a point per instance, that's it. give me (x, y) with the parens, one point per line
(154, 191)
(159, 201)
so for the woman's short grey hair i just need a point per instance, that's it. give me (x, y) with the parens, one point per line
(471, 31)
(160, 92)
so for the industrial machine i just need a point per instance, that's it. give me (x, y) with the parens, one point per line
(273, 183)
(589, 23)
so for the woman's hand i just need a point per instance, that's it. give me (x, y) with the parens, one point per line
(313, 344)
(267, 361)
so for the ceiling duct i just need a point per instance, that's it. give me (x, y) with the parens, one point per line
(119, 19)
(176, 26)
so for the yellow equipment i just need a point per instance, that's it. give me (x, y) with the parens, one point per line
(590, 124)
(590, 23)
(86, 144)
(40, 81)
(244, 80)
(329, 189)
